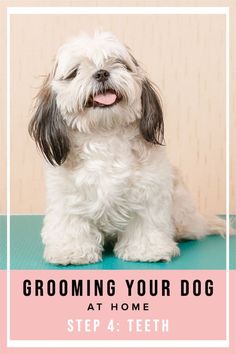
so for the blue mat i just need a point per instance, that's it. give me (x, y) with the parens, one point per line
(27, 250)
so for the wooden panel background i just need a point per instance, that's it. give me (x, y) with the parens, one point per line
(183, 54)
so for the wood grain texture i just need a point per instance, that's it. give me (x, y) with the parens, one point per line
(183, 54)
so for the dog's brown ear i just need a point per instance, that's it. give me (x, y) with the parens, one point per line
(47, 127)
(151, 123)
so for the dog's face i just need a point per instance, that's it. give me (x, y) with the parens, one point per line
(95, 85)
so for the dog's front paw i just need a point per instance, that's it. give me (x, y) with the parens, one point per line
(82, 255)
(147, 252)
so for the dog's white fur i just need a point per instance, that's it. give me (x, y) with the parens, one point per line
(113, 182)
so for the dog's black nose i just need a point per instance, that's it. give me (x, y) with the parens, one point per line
(101, 75)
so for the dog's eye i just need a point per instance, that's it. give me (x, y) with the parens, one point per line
(71, 75)
(124, 64)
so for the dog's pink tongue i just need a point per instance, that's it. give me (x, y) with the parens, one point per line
(106, 98)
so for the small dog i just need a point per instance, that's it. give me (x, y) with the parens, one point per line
(99, 123)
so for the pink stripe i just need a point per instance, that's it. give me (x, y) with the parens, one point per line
(190, 317)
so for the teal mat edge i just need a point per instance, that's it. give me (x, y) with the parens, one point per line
(28, 255)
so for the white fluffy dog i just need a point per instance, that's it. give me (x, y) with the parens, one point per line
(99, 124)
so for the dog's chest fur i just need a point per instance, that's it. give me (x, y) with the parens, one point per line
(106, 178)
